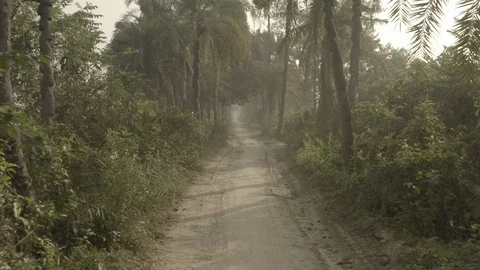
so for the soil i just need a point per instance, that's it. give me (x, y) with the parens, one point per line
(249, 210)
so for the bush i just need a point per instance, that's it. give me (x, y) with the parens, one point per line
(91, 198)
(323, 158)
(416, 154)
(298, 126)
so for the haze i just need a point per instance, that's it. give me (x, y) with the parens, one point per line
(113, 10)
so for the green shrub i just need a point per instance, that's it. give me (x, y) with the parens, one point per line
(408, 166)
(91, 199)
(298, 126)
(322, 157)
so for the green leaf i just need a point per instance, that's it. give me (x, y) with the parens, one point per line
(3, 64)
(17, 209)
(44, 59)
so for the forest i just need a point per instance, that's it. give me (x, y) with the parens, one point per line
(101, 138)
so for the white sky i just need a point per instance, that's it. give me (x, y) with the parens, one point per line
(112, 10)
(390, 33)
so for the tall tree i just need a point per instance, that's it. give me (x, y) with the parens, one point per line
(325, 113)
(199, 30)
(339, 80)
(216, 84)
(159, 38)
(355, 51)
(13, 151)
(309, 34)
(286, 60)
(269, 95)
(221, 25)
(48, 99)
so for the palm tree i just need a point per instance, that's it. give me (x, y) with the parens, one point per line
(286, 60)
(424, 20)
(48, 99)
(127, 37)
(148, 8)
(309, 34)
(355, 51)
(159, 36)
(222, 26)
(339, 80)
(13, 151)
(264, 6)
(326, 113)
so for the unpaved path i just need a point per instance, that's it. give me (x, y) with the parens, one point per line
(243, 213)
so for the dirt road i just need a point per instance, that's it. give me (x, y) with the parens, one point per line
(243, 213)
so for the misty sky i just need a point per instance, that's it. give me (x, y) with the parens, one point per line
(112, 10)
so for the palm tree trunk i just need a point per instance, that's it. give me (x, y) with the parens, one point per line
(316, 72)
(209, 110)
(48, 99)
(269, 29)
(355, 52)
(270, 90)
(306, 82)
(184, 87)
(13, 151)
(326, 106)
(176, 102)
(340, 81)
(172, 95)
(203, 100)
(286, 59)
(188, 86)
(216, 85)
(316, 75)
(215, 102)
(196, 74)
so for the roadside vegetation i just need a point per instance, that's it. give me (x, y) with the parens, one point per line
(98, 143)
(99, 137)
(393, 131)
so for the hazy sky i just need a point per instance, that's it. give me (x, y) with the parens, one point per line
(112, 10)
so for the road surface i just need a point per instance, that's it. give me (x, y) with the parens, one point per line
(241, 214)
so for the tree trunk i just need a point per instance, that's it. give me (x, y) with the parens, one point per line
(176, 100)
(306, 82)
(184, 87)
(188, 86)
(316, 72)
(222, 111)
(196, 73)
(270, 90)
(13, 151)
(286, 59)
(48, 99)
(216, 85)
(326, 107)
(355, 52)
(215, 102)
(316, 81)
(209, 110)
(203, 100)
(340, 81)
(269, 29)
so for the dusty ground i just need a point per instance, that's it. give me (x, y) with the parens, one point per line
(247, 211)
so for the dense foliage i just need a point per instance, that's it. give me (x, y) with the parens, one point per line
(113, 162)
(96, 144)
(414, 159)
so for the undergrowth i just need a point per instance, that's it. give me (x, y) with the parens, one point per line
(416, 164)
(91, 199)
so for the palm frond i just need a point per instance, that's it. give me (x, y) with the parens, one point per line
(400, 12)
(467, 31)
(427, 16)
